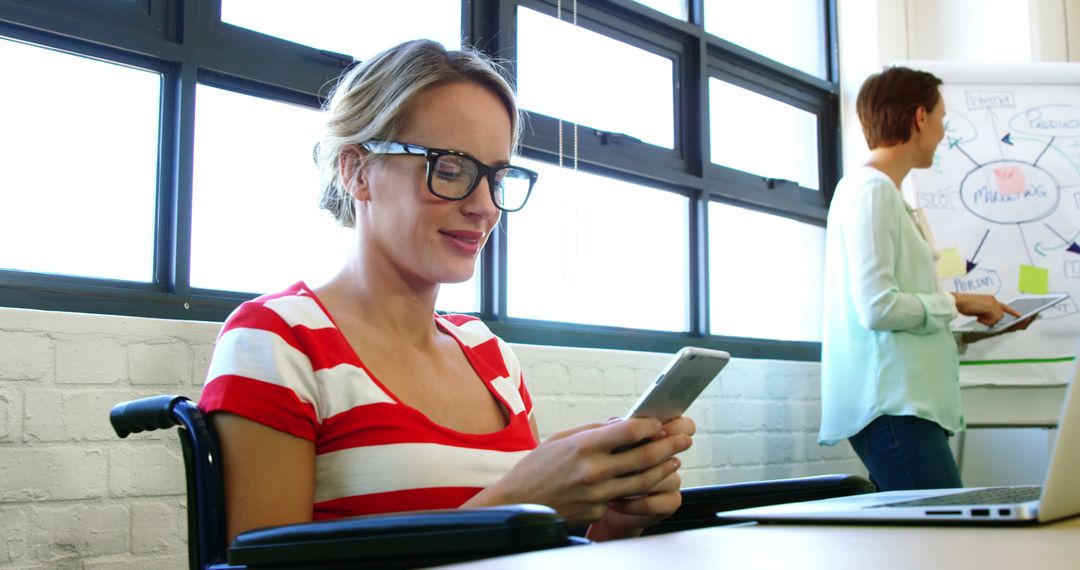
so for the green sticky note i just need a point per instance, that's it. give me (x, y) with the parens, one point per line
(1035, 280)
(950, 264)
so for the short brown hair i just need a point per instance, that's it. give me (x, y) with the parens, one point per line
(888, 100)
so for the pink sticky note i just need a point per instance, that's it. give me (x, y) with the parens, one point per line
(1009, 179)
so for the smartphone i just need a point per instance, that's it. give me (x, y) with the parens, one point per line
(680, 383)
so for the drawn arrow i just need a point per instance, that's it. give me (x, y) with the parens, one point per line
(971, 262)
(1048, 145)
(1020, 228)
(962, 151)
(1064, 155)
(1007, 139)
(1068, 244)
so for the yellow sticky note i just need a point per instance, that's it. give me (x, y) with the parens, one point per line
(1035, 280)
(951, 264)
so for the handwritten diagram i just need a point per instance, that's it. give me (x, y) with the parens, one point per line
(1003, 200)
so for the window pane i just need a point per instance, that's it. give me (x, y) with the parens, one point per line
(360, 29)
(256, 222)
(765, 275)
(576, 75)
(788, 31)
(598, 251)
(759, 135)
(78, 165)
(673, 8)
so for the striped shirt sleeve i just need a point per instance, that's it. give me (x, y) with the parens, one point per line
(260, 371)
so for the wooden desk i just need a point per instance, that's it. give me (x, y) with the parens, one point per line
(1044, 547)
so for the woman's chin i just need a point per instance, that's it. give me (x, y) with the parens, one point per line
(451, 276)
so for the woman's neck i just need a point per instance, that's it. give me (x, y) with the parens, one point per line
(894, 161)
(382, 298)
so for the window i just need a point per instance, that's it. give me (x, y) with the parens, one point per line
(766, 275)
(596, 250)
(673, 8)
(256, 222)
(788, 31)
(359, 29)
(78, 165)
(693, 169)
(601, 82)
(256, 225)
(760, 135)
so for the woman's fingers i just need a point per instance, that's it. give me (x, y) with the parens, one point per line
(993, 313)
(618, 434)
(681, 425)
(640, 483)
(654, 504)
(1024, 323)
(664, 499)
(1010, 310)
(577, 429)
(644, 456)
(579, 472)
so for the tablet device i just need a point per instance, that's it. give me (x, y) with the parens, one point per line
(679, 384)
(1026, 305)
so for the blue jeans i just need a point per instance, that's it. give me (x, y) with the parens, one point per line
(906, 452)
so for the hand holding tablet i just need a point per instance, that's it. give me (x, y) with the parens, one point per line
(1028, 306)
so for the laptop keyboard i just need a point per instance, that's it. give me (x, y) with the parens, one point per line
(990, 496)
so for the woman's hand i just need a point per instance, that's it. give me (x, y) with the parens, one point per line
(627, 516)
(576, 472)
(986, 308)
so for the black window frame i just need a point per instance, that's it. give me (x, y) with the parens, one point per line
(188, 44)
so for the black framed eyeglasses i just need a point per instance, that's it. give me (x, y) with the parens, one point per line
(453, 175)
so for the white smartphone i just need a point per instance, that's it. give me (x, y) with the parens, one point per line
(680, 383)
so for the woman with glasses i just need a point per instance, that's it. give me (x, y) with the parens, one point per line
(355, 397)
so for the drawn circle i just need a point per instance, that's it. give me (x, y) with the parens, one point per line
(982, 281)
(1010, 192)
(1066, 308)
(958, 129)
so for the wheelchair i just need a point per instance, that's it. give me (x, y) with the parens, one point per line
(407, 539)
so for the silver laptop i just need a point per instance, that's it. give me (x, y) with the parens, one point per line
(1058, 497)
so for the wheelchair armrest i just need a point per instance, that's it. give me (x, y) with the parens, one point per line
(420, 538)
(700, 504)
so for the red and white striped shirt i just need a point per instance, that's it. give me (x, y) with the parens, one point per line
(281, 361)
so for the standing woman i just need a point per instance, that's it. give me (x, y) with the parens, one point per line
(355, 397)
(889, 362)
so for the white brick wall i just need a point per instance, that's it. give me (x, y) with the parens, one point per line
(72, 495)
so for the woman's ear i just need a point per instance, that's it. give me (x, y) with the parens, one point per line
(921, 116)
(353, 172)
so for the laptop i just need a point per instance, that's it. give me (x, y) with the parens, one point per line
(1057, 498)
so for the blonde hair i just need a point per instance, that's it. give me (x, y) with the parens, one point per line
(372, 102)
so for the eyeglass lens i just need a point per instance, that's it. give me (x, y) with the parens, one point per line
(453, 176)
